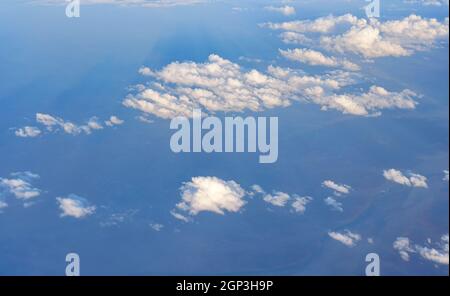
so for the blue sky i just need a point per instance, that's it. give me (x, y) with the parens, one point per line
(363, 138)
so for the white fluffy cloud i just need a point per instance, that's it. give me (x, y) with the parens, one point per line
(220, 85)
(75, 206)
(114, 120)
(286, 10)
(339, 189)
(316, 58)
(439, 253)
(347, 237)
(19, 185)
(28, 132)
(278, 199)
(210, 194)
(412, 180)
(371, 38)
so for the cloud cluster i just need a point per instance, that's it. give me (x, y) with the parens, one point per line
(368, 38)
(439, 253)
(75, 206)
(347, 237)
(412, 180)
(220, 85)
(281, 199)
(209, 194)
(52, 123)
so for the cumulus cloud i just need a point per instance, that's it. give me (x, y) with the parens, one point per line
(339, 189)
(300, 202)
(412, 180)
(220, 85)
(19, 185)
(114, 120)
(347, 237)
(334, 204)
(278, 199)
(75, 206)
(286, 10)
(437, 253)
(372, 38)
(316, 58)
(28, 132)
(209, 194)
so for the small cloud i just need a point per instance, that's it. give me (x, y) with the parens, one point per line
(347, 237)
(156, 227)
(20, 185)
(27, 132)
(75, 206)
(446, 177)
(299, 204)
(278, 199)
(114, 120)
(285, 10)
(210, 194)
(334, 204)
(339, 189)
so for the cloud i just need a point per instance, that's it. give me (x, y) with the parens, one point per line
(3, 205)
(286, 10)
(320, 25)
(28, 132)
(334, 204)
(114, 120)
(339, 189)
(403, 246)
(347, 237)
(75, 206)
(371, 38)
(278, 199)
(446, 176)
(299, 204)
(210, 194)
(439, 253)
(54, 124)
(222, 86)
(414, 180)
(20, 185)
(156, 227)
(316, 58)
